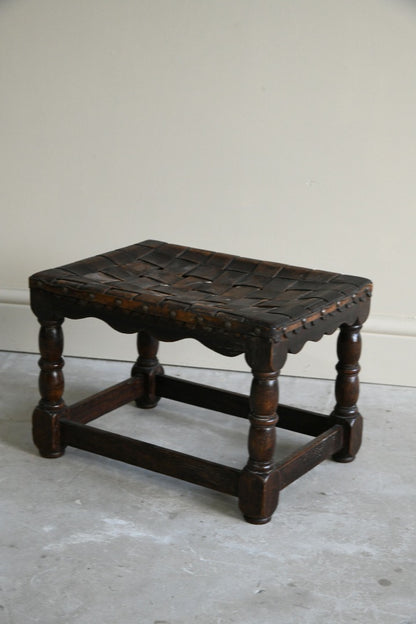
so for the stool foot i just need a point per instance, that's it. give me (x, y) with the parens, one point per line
(45, 421)
(258, 496)
(46, 434)
(347, 390)
(257, 520)
(347, 459)
(147, 365)
(353, 430)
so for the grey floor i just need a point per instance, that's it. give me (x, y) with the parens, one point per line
(89, 540)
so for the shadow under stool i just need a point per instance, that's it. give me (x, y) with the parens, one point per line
(232, 305)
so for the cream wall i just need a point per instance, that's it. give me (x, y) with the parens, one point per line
(283, 130)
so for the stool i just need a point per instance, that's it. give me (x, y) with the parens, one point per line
(232, 305)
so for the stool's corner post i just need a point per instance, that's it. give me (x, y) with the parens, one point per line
(45, 421)
(148, 366)
(347, 388)
(259, 484)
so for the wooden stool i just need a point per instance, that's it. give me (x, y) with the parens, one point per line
(230, 304)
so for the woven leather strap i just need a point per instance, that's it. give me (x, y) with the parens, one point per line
(193, 285)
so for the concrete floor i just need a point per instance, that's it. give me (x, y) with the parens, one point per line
(89, 540)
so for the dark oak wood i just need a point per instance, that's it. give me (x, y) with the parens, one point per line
(45, 419)
(310, 455)
(138, 453)
(302, 421)
(347, 390)
(147, 366)
(233, 306)
(260, 483)
(200, 395)
(237, 404)
(106, 401)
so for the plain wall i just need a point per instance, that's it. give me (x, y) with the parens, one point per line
(281, 130)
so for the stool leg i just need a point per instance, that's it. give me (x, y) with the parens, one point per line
(347, 390)
(45, 421)
(147, 365)
(259, 484)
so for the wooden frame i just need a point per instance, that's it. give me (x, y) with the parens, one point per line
(257, 485)
(167, 292)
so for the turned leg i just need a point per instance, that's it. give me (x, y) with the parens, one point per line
(259, 485)
(46, 429)
(147, 365)
(346, 391)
